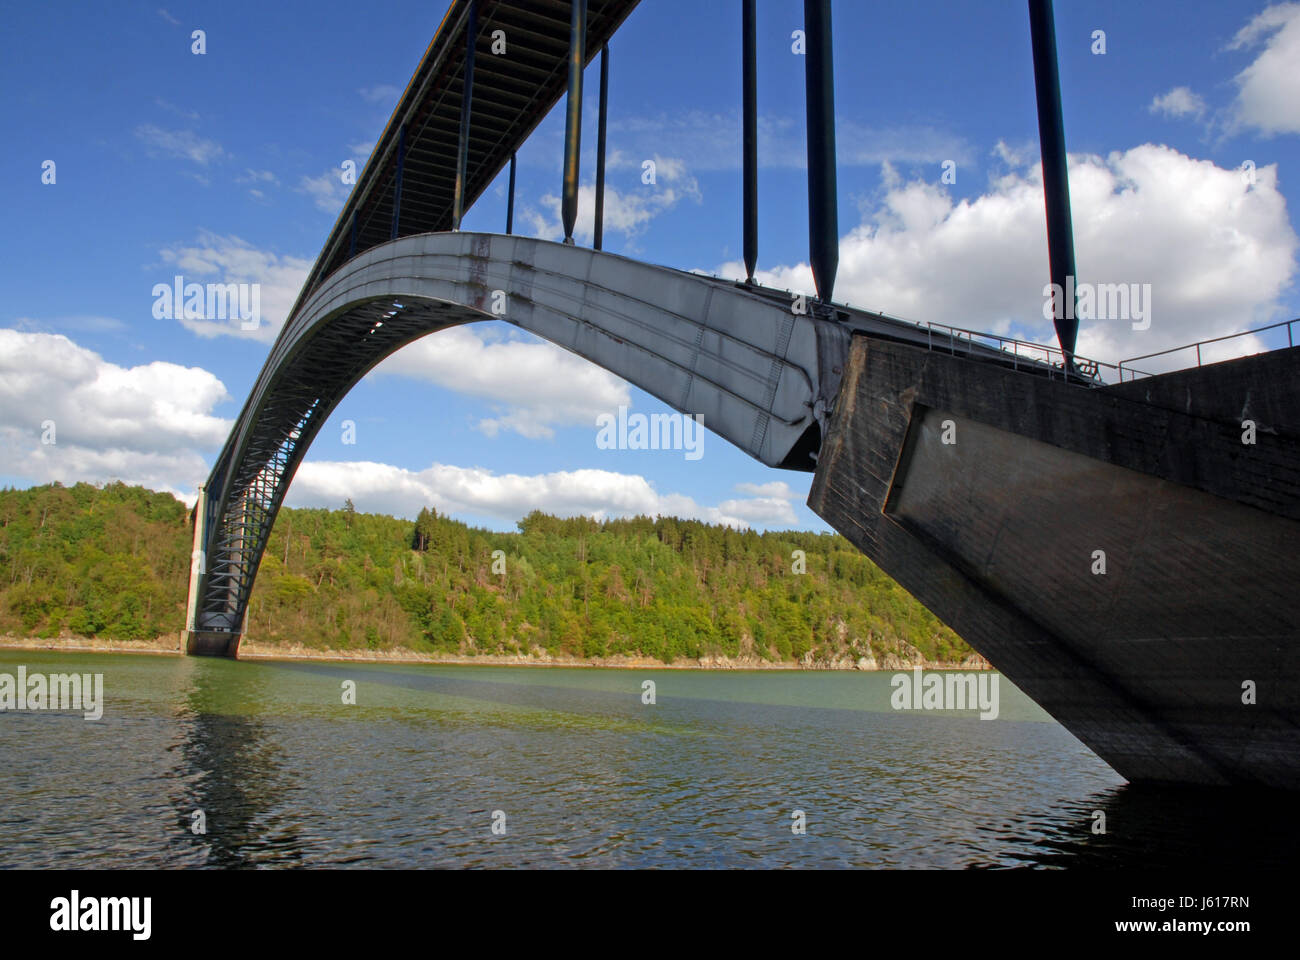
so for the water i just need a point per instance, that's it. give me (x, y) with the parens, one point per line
(583, 771)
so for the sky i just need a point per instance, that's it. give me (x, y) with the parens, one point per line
(1182, 123)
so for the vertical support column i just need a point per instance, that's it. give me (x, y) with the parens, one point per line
(397, 185)
(510, 200)
(599, 236)
(352, 244)
(573, 116)
(466, 109)
(750, 138)
(819, 89)
(198, 562)
(1056, 177)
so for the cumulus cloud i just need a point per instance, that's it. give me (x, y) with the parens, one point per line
(380, 93)
(218, 259)
(625, 212)
(181, 143)
(328, 191)
(67, 414)
(1178, 102)
(532, 385)
(1268, 91)
(383, 488)
(1217, 251)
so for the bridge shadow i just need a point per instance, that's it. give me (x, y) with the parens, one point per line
(1152, 827)
(230, 772)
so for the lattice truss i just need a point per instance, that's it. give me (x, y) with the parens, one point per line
(299, 401)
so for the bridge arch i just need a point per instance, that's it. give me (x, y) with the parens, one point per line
(737, 355)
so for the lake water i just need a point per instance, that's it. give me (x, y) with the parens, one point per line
(574, 770)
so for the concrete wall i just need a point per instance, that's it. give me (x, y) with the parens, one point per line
(996, 532)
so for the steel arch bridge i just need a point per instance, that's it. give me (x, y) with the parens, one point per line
(759, 368)
(994, 535)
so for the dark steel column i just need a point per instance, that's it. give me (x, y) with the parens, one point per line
(510, 201)
(352, 245)
(1056, 177)
(600, 148)
(397, 184)
(819, 87)
(573, 118)
(750, 139)
(466, 107)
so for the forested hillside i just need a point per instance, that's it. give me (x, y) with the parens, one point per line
(114, 562)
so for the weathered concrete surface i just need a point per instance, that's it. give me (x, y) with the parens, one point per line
(201, 643)
(996, 534)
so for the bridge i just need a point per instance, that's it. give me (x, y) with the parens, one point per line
(1107, 541)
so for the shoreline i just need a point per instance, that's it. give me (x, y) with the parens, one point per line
(252, 650)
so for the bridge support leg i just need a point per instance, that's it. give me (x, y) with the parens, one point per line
(819, 88)
(203, 643)
(599, 236)
(1105, 549)
(397, 183)
(466, 106)
(573, 117)
(1056, 176)
(750, 138)
(510, 200)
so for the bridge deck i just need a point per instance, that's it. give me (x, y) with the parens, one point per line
(513, 92)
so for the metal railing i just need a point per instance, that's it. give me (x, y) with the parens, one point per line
(1290, 342)
(1036, 356)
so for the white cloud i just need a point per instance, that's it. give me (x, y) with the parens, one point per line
(143, 424)
(217, 259)
(380, 93)
(1217, 252)
(328, 190)
(256, 176)
(1268, 94)
(88, 323)
(181, 143)
(383, 488)
(625, 213)
(533, 385)
(777, 488)
(1178, 102)
(162, 12)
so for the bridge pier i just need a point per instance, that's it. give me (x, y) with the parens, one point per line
(1118, 552)
(199, 642)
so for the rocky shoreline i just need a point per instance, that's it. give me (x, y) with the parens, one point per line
(252, 650)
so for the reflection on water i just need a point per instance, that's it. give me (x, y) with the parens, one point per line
(581, 770)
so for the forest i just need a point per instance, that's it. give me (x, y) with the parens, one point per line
(112, 561)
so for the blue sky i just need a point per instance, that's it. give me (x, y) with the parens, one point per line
(224, 167)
